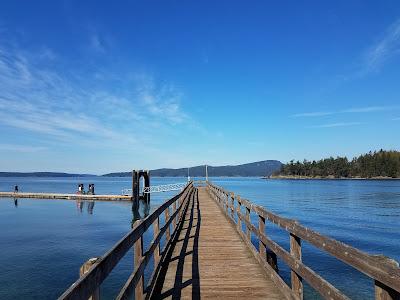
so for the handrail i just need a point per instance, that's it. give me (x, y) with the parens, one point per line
(384, 271)
(86, 285)
(133, 279)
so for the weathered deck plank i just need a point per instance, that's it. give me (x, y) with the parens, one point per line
(209, 259)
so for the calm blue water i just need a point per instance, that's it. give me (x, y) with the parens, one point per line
(44, 242)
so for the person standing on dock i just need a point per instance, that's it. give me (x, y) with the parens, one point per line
(16, 189)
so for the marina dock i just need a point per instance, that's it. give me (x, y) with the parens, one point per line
(57, 196)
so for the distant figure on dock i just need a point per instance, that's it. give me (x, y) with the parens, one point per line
(81, 188)
(16, 189)
(91, 189)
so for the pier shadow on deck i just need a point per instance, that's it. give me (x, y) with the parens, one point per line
(180, 265)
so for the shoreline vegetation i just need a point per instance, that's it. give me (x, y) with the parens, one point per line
(377, 165)
(294, 177)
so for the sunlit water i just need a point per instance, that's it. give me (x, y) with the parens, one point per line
(44, 242)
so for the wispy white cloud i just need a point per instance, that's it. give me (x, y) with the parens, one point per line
(369, 109)
(37, 97)
(340, 124)
(313, 114)
(162, 102)
(366, 109)
(20, 148)
(384, 49)
(396, 119)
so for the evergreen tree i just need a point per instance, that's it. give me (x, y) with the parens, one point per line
(373, 164)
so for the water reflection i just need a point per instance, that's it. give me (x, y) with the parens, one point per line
(90, 207)
(140, 209)
(136, 205)
(80, 204)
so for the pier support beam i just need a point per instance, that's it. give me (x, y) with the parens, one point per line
(136, 196)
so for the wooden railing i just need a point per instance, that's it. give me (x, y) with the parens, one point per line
(384, 271)
(87, 286)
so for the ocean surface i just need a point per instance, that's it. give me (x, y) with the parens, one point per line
(44, 242)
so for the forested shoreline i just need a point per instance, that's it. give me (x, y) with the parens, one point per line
(377, 164)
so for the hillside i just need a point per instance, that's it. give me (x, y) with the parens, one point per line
(257, 169)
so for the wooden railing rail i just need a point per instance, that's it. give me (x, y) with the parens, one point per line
(384, 271)
(90, 282)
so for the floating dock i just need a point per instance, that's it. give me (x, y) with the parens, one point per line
(56, 196)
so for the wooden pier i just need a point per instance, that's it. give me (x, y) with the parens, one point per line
(56, 196)
(214, 251)
(196, 265)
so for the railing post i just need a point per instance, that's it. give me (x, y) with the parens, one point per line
(261, 246)
(137, 258)
(239, 211)
(232, 198)
(267, 255)
(84, 269)
(167, 232)
(383, 292)
(156, 229)
(226, 200)
(178, 215)
(248, 232)
(295, 251)
(174, 220)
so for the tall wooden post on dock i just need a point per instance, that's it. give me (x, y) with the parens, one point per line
(136, 196)
(135, 186)
(146, 176)
(136, 175)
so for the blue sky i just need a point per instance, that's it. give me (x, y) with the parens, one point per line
(92, 87)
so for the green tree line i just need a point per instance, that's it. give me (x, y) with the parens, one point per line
(373, 164)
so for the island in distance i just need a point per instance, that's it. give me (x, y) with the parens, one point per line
(254, 169)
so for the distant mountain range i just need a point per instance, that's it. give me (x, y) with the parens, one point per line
(255, 169)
